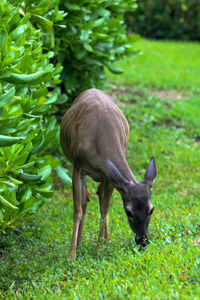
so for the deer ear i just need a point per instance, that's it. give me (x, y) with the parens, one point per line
(151, 171)
(116, 178)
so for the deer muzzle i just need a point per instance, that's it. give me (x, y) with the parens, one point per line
(141, 240)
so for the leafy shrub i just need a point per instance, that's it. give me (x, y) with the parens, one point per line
(166, 19)
(94, 38)
(27, 128)
(37, 39)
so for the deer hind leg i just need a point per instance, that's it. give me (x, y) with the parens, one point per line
(85, 197)
(104, 191)
(78, 212)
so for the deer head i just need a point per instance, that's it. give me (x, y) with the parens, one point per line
(136, 198)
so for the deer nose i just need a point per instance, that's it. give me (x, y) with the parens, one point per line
(143, 241)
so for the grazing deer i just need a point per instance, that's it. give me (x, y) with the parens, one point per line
(94, 136)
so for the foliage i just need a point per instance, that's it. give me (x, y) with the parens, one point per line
(166, 19)
(94, 38)
(168, 268)
(27, 128)
(86, 36)
(36, 38)
(163, 65)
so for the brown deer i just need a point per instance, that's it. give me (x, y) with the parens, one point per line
(94, 136)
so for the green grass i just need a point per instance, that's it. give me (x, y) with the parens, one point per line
(163, 65)
(33, 260)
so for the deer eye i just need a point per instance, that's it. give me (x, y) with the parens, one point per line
(129, 213)
(151, 211)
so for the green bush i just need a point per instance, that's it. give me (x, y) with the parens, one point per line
(95, 37)
(92, 36)
(27, 128)
(38, 40)
(166, 19)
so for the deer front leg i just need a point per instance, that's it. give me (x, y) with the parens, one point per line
(78, 213)
(105, 193)
(107, 235)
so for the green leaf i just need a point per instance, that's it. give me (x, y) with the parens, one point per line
(22, 78)
(87, 47)
(9, 140)
(62, 99)
(26, 195)
(8, 59)
(3, 37)
(51, 100)
(30, 116)
(1, 215)
(7, 183)
(20, 159)
(114, 69)
(28, 165)
(47, 193)
(38, 147)
(45, 172)
(15, 181)
(43, 21)
(27, 202)
(97, 23)
(30, 177)
(62, 174)
(5, 203)
(85, 34)
(6, 97)
(37, 206)
(18, 32)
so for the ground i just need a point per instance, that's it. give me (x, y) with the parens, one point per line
(164, 118)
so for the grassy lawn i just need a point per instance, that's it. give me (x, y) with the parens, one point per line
(33, 260)
(163, 65)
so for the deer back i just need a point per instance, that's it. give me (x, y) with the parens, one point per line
(93, 130)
